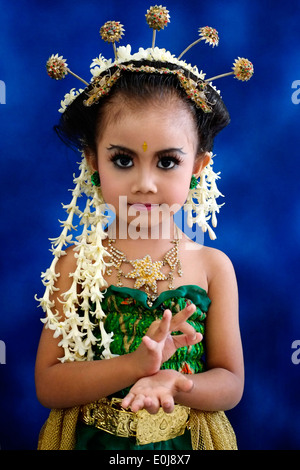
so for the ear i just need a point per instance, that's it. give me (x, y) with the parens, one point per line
(201, 162)
(91, 159)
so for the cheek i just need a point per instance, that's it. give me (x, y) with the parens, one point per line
(114, 191)
(178, 193)
(109, 189)
(183, 193)
(106, 178)
(179, 185)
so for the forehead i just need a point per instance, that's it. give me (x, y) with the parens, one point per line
(167, 119)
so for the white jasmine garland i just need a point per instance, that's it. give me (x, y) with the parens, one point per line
(124, 53)
(68, 99)
(77, 330)
(100, 64)
(201, 205)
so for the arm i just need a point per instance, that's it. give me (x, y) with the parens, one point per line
(62, 385)
(221, 386)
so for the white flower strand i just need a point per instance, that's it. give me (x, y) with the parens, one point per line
(124, 55)
(50, 276)
(69, 98)
(77, 330)
(92, 275)
(206, 193)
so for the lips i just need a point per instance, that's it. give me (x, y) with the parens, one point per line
(140, 206)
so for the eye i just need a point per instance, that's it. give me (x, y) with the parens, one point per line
(122, 161)
(167, 163)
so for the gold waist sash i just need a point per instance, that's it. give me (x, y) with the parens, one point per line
(210, 430)
(109, 416)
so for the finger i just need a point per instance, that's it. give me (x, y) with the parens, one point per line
(150, 344)
(194, 338)
(187, 340)
(138, 403)
(181, 317)
(163, 328)
(167, 404)
(152, 405)
(126, 402)
(183, 384)
(188, 330)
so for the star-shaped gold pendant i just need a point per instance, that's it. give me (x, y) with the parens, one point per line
(146, 272)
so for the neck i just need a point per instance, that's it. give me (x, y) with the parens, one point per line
(149, 264)
(146, 236)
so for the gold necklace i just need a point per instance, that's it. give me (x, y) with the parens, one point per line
(146, 272)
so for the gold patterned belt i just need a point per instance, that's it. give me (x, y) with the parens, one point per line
(109, 416)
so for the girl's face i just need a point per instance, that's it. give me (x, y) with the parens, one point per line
(146, 157)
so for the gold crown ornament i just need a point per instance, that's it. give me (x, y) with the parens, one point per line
(92, 259)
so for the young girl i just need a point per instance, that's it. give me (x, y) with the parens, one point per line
(146, 350)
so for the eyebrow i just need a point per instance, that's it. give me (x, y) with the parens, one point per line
(159, 152)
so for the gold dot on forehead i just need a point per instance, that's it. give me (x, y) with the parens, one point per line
(145, 146)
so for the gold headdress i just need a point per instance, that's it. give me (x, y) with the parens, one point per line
(157, 18)
(77, 330)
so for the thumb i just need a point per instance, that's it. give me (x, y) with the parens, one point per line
(149, 343)
(184, 384)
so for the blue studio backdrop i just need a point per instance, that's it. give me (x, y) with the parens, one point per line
(257, 155)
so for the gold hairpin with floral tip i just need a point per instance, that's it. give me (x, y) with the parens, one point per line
(157, 18)
(112, 31)
(57, 68)
(103, 79)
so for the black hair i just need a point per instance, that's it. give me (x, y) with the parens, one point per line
(79, 124)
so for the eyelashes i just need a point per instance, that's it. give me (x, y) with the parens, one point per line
(169, 162)
(165, 162)
(121, 160)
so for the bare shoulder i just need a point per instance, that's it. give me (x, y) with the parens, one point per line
(216, 262)
(212, 260)
(210, 265)
(221, 278)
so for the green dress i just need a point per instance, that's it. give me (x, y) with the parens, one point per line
(128, 316)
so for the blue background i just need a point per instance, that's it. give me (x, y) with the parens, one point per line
(258, 156)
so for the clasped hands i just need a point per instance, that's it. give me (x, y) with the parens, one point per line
(158, 388)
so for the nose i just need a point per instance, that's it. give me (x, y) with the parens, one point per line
(144, 182)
